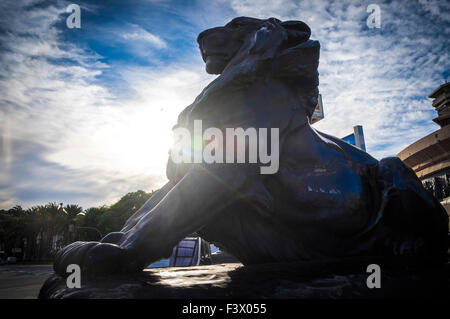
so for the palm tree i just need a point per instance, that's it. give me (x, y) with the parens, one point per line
(72, 211)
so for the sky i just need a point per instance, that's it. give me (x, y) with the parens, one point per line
(86, 113)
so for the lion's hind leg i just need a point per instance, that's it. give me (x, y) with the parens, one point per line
(416, 223)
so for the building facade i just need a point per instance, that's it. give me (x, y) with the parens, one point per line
(429, 157)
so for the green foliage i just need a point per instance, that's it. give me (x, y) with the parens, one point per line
(116, 216)
(33, 229)
(73, 211)
(90, 218)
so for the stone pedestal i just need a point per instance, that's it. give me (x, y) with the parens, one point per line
(274, 281)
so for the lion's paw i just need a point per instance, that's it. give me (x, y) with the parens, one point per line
(94, 258)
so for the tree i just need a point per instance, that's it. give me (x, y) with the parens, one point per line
(34, 229)
(90, 218)
(117, 214)
(72, 212)
(13, 229)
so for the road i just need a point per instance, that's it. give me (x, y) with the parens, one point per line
(22, 281)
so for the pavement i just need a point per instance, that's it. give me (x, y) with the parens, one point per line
(23, 281)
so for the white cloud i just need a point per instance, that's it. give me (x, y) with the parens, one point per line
(376, 78)
(133, 136)
(136, 33)
(263, 9)
(74, 137)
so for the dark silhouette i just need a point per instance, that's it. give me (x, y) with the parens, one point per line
(328, 200)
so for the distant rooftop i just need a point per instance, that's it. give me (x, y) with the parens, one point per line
(430, 155)
(445, 86)
(441, 103)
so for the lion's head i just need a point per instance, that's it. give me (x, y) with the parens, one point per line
(242, 36)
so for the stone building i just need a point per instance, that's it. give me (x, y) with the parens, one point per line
(429, 157)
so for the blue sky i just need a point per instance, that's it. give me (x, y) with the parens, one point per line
(86, 114)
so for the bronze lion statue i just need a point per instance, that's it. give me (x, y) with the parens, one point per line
(328, 200)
